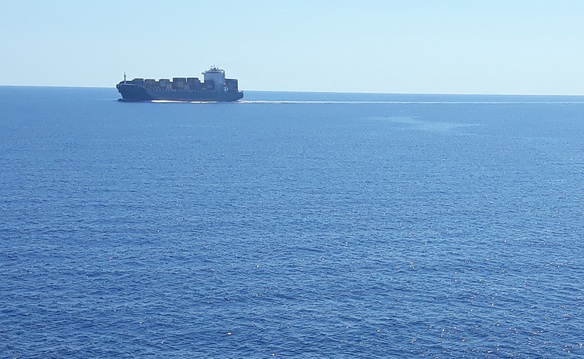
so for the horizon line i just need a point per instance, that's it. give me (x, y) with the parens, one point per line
(332, 92)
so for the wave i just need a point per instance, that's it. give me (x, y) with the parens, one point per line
(175, 101)
(358, 102)
(406, 102)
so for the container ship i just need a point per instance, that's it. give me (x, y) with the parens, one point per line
(215, 87)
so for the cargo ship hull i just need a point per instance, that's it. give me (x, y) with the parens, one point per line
(137, 93)
(215, 87)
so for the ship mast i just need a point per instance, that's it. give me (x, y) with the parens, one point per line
(124, 77)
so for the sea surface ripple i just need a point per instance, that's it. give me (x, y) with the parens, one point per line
(291, 225)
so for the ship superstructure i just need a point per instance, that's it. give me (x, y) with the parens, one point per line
(215, 87)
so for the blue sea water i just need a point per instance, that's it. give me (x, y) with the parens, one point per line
(291, 225)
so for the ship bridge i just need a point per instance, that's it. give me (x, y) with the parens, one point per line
(215, 76)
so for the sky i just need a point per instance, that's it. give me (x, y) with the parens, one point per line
(371, 46)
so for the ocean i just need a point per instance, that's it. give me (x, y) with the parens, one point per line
(312, 225)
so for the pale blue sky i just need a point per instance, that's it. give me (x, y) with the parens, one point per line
(389, 46)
